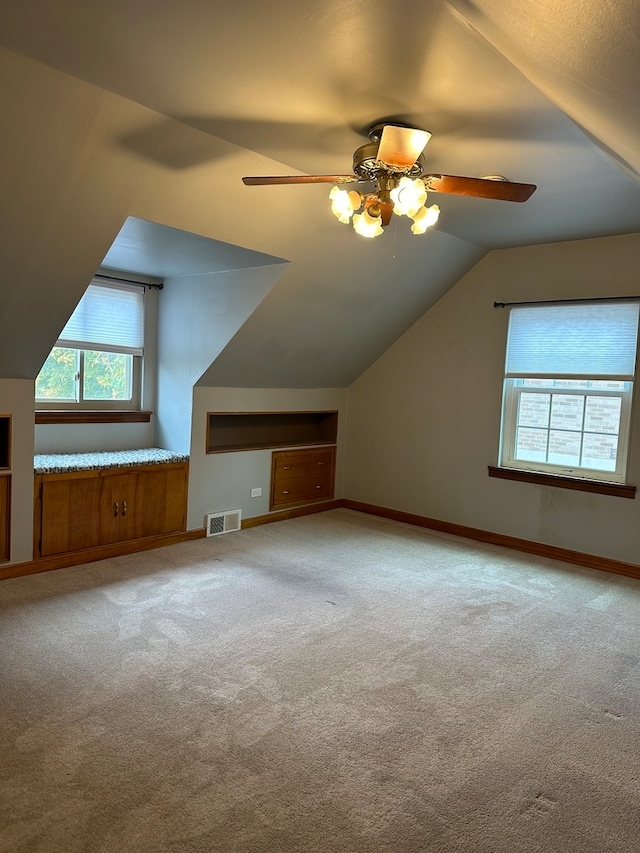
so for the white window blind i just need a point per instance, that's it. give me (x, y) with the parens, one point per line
(597, 339)
(109, 318)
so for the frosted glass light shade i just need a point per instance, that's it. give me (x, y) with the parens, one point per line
(409, 196)
(343, 203)
(367, 225)
(424, 218)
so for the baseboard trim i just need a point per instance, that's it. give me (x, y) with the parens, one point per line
(565, 555)
(103, 552)
(119, 549)
(296, 512)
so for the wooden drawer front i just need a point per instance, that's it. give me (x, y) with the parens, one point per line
(301, 490)
(70, 514)
(302, 463)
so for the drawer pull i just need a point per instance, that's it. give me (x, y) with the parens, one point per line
(318, 487)
(320, 463)
(124, 508)
(116, 509)
(287, 467)
(285, 492)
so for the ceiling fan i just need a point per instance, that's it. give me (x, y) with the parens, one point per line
(393, 160)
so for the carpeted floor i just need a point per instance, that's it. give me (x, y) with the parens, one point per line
(331, 684)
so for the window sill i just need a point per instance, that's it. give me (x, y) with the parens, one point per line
(619, 490)
(77, 416)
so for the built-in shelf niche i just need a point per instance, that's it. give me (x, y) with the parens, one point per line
(5, 442)
(231, 431)
(5, 502)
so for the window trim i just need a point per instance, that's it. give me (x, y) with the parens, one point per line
(620, 490)
(80, 416)
(511, 397)
(137, 354)
(559, 346)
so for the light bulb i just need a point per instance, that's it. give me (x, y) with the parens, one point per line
(425, 218)
(409, 196)
(343, 203)
(367, 225)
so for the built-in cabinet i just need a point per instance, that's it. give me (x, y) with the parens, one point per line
(5, 485)
(5, 441)
(301, 477)
(78, 510)
(5, 492)
(302, 474)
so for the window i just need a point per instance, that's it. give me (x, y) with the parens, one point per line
(568, 389)
(97, 360)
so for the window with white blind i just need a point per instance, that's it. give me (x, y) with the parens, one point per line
(97, 360)
(568, 389)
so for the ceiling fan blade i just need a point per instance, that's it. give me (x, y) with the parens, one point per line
(479, 187)
(400, 147)
(265, 180)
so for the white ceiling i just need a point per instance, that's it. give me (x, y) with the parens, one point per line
(536, 90)
(539, 91)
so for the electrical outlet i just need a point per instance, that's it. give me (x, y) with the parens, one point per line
(256, 493)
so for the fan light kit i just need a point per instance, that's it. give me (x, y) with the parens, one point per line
(393, 160)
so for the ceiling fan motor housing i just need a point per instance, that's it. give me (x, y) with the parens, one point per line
(368, 168)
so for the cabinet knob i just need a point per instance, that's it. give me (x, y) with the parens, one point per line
(318, 487)
(116, 509)
(124, 508)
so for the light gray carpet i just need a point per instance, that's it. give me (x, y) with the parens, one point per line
(331, 684)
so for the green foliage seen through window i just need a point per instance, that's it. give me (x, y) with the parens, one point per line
(100, 375)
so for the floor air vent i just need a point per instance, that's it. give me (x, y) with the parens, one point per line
(223, 522)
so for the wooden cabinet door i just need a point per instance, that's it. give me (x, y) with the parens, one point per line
(88, 509)
(70, 513)
(161, 499)
(117, 507)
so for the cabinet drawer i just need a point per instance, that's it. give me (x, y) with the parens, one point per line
(302, 463)
(300, 490)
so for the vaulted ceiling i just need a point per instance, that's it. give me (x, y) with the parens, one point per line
(179, 100)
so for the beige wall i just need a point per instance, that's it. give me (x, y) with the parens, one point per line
(424, 419)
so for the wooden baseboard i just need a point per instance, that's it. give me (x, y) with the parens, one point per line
(566, 555)
(291, 513)
(119, 549)
(554, 552)
(90, 555)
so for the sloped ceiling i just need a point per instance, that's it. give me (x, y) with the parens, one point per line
(535, 90)
(167, 253)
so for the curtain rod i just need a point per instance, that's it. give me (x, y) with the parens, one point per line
(569, 301)
(157, 284)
